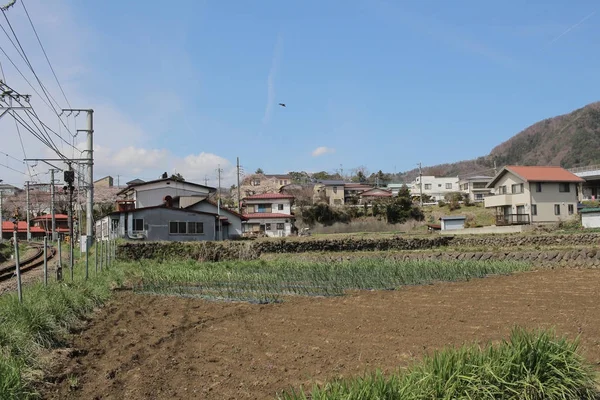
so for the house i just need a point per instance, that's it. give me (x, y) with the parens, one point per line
(159, 191)
(452, 223)
(368, 196)
(8, 227)
(590, 217)
(9, 189)
(395, 187)
(264, 183)
(330, 192)
(524, 195)
(169, 209)
(268, 213)
(435, 187)
(475, 187)
(61, 222)
(135, 182)
(352, 192)
(107, 181)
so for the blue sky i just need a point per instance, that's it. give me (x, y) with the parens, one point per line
(384, 84)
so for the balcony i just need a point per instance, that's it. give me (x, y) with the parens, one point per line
(512, 219)
(498, 200)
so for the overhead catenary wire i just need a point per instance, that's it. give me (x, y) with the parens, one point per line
(23, 55)
(12, 169)
(45, 54)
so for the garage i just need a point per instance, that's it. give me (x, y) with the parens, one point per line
(453, 223)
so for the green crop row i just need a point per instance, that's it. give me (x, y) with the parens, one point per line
(529, 366)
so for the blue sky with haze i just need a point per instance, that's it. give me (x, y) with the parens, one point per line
(187, 85)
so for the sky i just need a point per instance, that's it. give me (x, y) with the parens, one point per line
(188, 86)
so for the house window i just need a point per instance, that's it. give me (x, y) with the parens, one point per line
(335, 189)
(428, 186)
(267, 227)
(439, 185)
(564, 187)
(501, 189)
(280, 226)
(280, 182)
(571, 209)
(262, 208)
(280, 207)
(177, 228)
(195, 228)
(138, 225)
(557, 209)
(449, 186)
(478, 196)
(466, 186)
(256, 182)
(538, 187)
(517, 188)
(534, 209)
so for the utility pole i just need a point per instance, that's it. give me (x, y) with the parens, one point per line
(27, 209)
(1, 219)
(69, 178)
(90, 172)
(219, 170)
(239, 202)
(420, 184)
(205, 180)
(495, 168)
(52, 201)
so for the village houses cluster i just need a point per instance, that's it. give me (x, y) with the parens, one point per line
(174, 209)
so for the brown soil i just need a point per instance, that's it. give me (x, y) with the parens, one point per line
(156, 347)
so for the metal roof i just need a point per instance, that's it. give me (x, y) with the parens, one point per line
(453, 217)
(589, 210)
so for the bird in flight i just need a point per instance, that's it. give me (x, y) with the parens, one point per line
(282, 104)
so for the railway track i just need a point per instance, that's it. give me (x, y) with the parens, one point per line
(29, 263)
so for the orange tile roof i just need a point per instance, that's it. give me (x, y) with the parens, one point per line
(8, 226)
(544, 174)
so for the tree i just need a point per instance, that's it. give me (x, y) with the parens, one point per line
(323, 175)
(177, 177)
(259, 171)
(401, 208)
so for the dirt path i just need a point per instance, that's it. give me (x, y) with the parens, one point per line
(154, 347)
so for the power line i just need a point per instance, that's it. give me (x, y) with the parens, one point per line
(23, 55)
(45, 55)
(12, 169)
(9, 156)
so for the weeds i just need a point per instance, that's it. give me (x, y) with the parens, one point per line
(530, 365)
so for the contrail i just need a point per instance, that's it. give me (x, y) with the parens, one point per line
(571, 28)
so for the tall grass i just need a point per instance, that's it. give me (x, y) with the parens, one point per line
(529, 365)
(41, 323)
(268, 281)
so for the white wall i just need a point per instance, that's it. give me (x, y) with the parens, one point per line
(590, 220)
(438, 186)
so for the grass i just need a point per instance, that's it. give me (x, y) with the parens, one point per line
(42, 321)
(262, 281)
(529, 365)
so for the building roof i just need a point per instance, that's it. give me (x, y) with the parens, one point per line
(357, 186)
(9, 226)
(477, 178)
(278, 176)
(226, 209)
(134, 182)
(538, 174)
(49, 217)
(589, 210)
(101, 179)
(268, 196)
(6, 186)
(376, 192)
(267, 215)
(328, 182)
(136, 185)
(453, 218)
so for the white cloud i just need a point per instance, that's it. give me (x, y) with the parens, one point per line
(319, 151)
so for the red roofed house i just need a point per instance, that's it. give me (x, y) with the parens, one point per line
(8, 228)
(268, 213)
(525, 195)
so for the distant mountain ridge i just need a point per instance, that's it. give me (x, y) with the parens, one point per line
(568, 140)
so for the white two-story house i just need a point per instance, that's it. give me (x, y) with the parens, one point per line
(476, 187)
(436, 187)
(524, 195)
(268, 213)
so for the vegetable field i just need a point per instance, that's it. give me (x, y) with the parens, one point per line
(183, 347)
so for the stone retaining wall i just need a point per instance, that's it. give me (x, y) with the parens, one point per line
(248, 250)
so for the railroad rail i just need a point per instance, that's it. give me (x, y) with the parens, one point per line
(28, 263)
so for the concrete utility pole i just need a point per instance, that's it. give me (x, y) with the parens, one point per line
(90, 171)
(1, 219)
(27, 209)
(219, 170)
(52, 201)
(420, 185)
(239, 207)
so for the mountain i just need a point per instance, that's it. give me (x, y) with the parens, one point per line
(568, 140)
